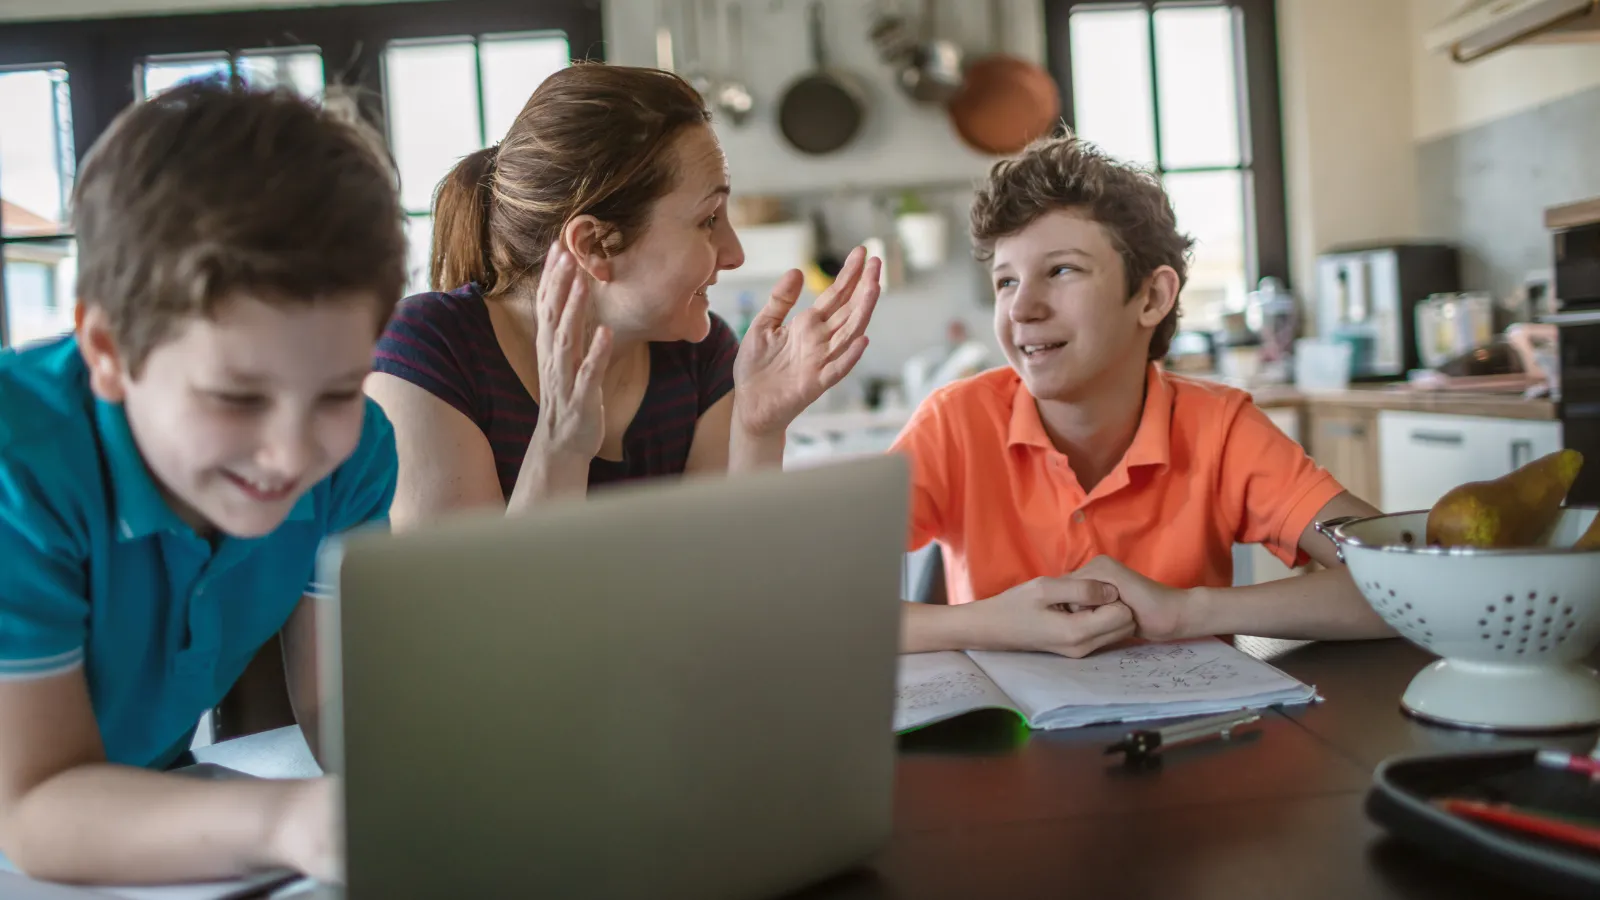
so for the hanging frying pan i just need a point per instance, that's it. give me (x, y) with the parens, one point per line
(822, 110)
(1005, 102)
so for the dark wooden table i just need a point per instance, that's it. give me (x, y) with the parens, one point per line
(985, 811)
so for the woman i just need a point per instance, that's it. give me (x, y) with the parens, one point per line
(575, 346)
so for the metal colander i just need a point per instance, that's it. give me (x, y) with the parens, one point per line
(1509, 623)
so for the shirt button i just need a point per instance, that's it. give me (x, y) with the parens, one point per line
(1078, 517)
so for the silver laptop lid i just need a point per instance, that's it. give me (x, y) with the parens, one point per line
(677, 690)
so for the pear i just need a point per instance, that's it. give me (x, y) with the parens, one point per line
(1515, 510)
(1591, 538)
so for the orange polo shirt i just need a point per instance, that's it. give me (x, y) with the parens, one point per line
(1206, 469)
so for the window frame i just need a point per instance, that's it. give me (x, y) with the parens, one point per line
(100, 55)
(1261, 138)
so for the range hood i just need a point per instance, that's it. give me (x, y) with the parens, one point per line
(1484, 26)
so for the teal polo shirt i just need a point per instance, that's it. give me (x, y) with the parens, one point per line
(97, 571)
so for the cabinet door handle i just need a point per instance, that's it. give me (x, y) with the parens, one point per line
(1521, 452)
(1344, 430)
(1449, 438)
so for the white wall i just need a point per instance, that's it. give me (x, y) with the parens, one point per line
(1450, 97)
(1347, 116)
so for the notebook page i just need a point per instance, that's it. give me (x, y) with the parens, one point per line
(937, 686)
(1142, 681)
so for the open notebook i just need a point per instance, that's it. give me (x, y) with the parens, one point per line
(1144, 681)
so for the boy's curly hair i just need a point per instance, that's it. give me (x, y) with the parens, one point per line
(1129, 203)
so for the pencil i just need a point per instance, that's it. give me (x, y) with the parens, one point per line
(1525, 821)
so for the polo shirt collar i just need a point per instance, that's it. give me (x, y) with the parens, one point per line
(138, 506)
(1026, 429)
(1152, 442)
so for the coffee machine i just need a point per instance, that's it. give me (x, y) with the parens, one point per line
(1367, 297)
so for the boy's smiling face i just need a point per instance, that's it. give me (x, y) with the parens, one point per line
(238, 414)
(1062, 310)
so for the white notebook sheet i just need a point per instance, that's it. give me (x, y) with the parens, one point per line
(1143, 681)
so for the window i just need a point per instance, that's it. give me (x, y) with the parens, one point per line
(36, 169)
(494, 51)
(296, 68)
(449, 97)
(1187, 89)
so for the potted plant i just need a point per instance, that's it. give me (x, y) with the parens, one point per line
(922, 231)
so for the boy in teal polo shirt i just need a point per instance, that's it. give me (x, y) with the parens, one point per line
(168, 472)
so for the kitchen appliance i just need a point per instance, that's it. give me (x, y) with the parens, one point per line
(1575, 236)
(1575, 282)
(1366, 297)
(1449, 325)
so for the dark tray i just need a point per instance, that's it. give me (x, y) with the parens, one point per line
(1404, 786)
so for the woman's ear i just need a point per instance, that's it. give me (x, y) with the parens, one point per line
(98, 347)
(585, 238)
(1160, 295)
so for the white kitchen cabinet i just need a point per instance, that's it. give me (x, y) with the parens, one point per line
(1423, 455)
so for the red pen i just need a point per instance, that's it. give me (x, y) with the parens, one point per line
(1555, 759)
(1525, 821)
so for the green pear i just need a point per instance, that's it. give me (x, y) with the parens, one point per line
(1515, 510)
(1591, 538)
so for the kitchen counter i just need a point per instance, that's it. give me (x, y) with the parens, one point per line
(1457, 403)
(1394, 396)
(822, 426)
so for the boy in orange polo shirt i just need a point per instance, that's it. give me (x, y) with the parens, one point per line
(1083, 495)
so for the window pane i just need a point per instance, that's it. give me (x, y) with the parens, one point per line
(431, 91)
(160, 73)
(1199, 91)
(419, 238)
(40, 282)
(512, 69)
(1210, 209)
(1112, 99)
(36, 157)
(298, 70)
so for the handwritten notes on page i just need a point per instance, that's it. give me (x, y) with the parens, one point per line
(1142, 681)
(935, 686)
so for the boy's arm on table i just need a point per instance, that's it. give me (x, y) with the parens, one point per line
(1074, 616)
(66, 814)
(1324, 605)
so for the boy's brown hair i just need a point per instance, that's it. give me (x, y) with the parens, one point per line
(211, 188)
(1128, 202)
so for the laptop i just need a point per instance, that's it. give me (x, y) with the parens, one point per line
(684, 689)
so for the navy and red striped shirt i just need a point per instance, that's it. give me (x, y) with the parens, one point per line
(445, 344)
